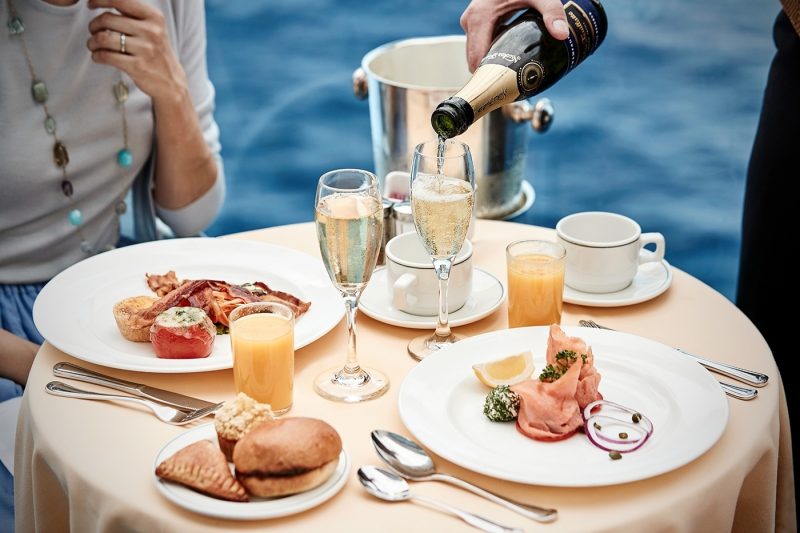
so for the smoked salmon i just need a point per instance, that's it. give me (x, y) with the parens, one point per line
(548, 410)
(563, 351)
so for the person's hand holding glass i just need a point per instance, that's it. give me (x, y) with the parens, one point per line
(442, 200)
(349, 218)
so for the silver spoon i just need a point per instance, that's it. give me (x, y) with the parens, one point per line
(392, 488)
(409, 460)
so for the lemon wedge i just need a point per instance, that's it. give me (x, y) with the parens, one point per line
(507, 371)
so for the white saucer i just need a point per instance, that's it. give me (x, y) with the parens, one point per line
(487, 295)
(651, 280)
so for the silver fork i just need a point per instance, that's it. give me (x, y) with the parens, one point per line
(748, 376)
(162, 412)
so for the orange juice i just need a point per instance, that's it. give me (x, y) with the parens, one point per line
(535, 289)
(263, 358)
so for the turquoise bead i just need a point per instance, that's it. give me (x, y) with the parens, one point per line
(125, 158)
(50, 125)
(75, 217)
(15, 26)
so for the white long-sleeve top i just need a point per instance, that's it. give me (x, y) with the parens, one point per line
(36, 238)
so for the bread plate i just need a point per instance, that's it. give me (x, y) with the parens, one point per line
(256, 508)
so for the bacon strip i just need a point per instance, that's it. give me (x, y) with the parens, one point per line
(162, 284)
(298, 306)
(217, 298)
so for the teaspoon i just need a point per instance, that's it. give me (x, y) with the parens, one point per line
(392, 488)
(409, 460)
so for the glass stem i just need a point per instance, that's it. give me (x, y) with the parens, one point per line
(442, 268)
(351, 307)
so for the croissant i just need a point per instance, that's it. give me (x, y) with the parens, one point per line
(201, 466)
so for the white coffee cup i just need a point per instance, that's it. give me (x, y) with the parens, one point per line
(412, 281)
(604, 250)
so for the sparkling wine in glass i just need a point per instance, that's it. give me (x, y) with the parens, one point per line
(349, 219)
(442, 200)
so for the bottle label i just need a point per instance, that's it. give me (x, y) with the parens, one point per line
(531, 76)
(584, 30)
(492, 85)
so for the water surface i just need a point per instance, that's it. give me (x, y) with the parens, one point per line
(657, 125)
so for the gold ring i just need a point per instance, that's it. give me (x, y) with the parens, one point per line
(122, 38)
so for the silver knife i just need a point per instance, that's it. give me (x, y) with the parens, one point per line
(71, 371)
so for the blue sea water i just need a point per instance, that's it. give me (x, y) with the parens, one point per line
(657, 124)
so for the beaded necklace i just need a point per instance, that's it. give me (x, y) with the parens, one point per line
(40, 95)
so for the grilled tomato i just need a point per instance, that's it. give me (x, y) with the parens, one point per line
(183, 333)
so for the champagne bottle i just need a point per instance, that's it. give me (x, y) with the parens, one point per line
(524, 60)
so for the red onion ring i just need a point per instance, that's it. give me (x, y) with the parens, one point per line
(643, 427)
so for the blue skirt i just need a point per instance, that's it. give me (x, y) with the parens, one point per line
(16, 316)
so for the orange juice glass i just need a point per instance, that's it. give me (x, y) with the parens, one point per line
(262, 342)
(535, 282)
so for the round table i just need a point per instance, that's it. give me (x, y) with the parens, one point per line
(88, 466)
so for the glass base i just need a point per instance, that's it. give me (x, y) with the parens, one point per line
(279, 412)
(338, 385)
(424, 345)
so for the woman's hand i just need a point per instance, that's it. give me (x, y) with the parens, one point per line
(185, 167)
(148, 57)
(482, 16)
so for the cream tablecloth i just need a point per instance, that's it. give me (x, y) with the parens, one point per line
(88, 466)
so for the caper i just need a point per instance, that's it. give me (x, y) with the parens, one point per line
(615, 455)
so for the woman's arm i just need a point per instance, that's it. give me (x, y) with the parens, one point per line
(185, 168)
(16, 357)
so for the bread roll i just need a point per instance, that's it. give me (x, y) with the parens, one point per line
(286, 456)
(124, 313)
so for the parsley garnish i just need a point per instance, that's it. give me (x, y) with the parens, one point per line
(550, 373)
(566, 355)
(564, 360)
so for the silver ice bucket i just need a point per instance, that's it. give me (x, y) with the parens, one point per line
(405, 80)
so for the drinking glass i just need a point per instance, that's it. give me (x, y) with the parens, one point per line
(442, 200)
(262, 343)
(349, 218)
(535, 282)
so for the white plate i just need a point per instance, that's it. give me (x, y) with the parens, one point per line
(441, 403)
(651, 280)
(74, 310)
(256, 508)
(487, 295)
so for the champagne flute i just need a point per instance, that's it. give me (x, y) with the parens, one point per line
(442, 199)
(349, 218)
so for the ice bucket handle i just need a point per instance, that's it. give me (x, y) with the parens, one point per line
(360, 84)
(540, 115)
